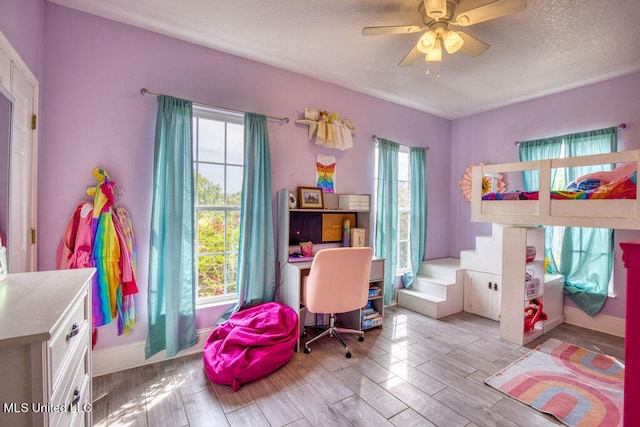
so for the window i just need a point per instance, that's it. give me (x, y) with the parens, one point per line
(404, 211)
(218, 159)
(579, 247)
(403, 240)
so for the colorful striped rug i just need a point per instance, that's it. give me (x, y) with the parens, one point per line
(577, 386)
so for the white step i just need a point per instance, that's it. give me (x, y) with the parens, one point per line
(487, 255)
(437, 291)
(425, 304)
(432, 286)
(442, 268)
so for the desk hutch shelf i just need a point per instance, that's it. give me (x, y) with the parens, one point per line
(292, 273)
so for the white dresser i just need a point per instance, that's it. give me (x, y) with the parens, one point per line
(45, 348)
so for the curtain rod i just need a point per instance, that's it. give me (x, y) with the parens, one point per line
(375, 139)
(145, 91)
(621, 126)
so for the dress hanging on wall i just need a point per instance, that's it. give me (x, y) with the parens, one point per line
(100, 235)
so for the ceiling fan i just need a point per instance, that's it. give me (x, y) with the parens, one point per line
(437, 16)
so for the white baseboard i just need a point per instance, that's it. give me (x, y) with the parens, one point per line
(601, 322)
(113, 359)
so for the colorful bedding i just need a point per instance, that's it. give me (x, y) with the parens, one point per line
(623, 188)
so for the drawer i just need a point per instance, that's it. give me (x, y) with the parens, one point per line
(75, 388)
(72, 333)
(377, 270)
(357, 202)
(78, 415)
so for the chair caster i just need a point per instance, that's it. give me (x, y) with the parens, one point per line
(360, 338)
(307, 350)
(348, 354)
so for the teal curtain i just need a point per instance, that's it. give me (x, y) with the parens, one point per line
(418, 225)
(539, 149)
(587, 253)
(172, 313)
(387, 214)
(586, 257)
(256, 278)
(542, 149)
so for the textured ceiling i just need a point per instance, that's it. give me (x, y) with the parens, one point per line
(553, 45)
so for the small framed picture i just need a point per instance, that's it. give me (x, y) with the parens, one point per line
(310, 198)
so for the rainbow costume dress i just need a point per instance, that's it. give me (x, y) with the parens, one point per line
(100, 235)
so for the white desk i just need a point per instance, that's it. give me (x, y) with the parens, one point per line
(292, 274)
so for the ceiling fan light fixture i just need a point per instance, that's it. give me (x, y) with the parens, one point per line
(436, 8)
(452, 41)
(427, 42)
(435, 54)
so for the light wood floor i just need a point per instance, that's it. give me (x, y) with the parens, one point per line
(415, 371)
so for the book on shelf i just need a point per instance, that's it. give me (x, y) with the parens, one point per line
(368, 310)
(370, 315)
(374, 291)
(370, 323)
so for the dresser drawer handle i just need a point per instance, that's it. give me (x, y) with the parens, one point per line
(76, 398)
(75, 330)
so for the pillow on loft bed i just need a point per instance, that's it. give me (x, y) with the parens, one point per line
(622, 188)
(596, 179)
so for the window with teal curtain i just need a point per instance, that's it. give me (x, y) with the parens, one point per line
(586, 257)
(172, 313)
(587, 253)
(386, 231)
(541, 149)
(256, 277)
(418, 228)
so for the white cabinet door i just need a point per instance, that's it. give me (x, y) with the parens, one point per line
(482, 294)
(496, 296)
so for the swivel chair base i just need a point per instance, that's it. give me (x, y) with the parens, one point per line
(333, 331)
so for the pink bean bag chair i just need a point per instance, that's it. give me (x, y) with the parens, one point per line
(252, 344)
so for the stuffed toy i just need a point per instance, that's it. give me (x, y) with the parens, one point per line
(532, 313)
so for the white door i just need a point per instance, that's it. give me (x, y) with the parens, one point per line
(22, 200)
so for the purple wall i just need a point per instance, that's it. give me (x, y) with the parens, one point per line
(22, 23)
(94, 115)
(489, 138)
(91, 72)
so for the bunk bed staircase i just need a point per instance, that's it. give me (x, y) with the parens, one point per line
(487, 256)
(437, 290)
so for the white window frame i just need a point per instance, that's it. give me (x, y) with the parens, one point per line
(208, 113)
(404, 150)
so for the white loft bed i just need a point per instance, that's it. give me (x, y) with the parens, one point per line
(602, 213)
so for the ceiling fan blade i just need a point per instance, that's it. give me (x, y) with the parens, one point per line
(394, 29)
(472, 46)
(489, 11)
(410, 57)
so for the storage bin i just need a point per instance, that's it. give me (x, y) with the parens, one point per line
(532, 287)
(353, 202)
